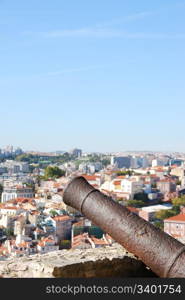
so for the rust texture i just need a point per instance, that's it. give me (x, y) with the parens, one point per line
(163, 254)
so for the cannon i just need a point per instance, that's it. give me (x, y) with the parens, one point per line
(163, 254)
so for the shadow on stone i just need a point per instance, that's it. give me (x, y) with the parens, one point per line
(125, 267)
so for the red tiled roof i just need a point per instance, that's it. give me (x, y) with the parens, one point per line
(22, 199)
(10, 207)
(23, 244)
(62, 218)
(133, 209)
(117, 182)
(41, 244)
(167, 180)
(80, 223)
(180, 218)
(48, 240)
(99, 241)
(81, 238)
(89, 177)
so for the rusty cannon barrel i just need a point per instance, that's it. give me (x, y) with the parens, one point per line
(163, 254)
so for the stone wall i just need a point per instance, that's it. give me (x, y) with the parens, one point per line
(112, 261)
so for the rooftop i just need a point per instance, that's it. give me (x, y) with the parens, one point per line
(157, 207)
(180, 218)
(62, 218)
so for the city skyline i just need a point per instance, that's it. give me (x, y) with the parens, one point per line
(106, 76)
(63, 150)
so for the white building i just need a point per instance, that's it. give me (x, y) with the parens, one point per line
(10, 210)
(22, 246)
(158, 162)
(47, 245)
(14, 167)
(16, 192)
(128, 187)
(148, 212)
(131, 186)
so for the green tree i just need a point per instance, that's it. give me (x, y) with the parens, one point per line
(93, 158)
(65, 244)
(53, 213)
(53, 172)
(159, 224)
(9, 232)
(124, 173)
(176, 209)
(179, 201)
(24, 157)
(164, 214)
(105, 162)
(135, 203)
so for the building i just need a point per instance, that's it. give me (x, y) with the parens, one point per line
(21, 246)
(85, 241)
(178, 171)
(166, 186)
(9, 210)
(14, 167)
(16, 192)
(123, 187)
(76, 152)
(19, 224)
(175, 226)
(139, 162)
(94, 180)
(177, 162)
(85, 225)
(62, 225)
(90, 168)
(143, 162)
(131, 186)
(134, 164)
(148, 212)
(121, 161)
(47, 244)
(34, 217)
(159, 162)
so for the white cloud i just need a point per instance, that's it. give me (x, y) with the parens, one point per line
(125, 19)
(107, 33)
(106, 30)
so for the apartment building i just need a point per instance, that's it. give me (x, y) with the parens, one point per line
(175, 226)
(16, 192)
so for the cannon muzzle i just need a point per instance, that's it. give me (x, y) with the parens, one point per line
(163, 254)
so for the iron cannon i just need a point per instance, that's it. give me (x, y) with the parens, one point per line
(163, 254)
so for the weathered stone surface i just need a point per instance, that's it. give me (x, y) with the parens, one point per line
(102, 262)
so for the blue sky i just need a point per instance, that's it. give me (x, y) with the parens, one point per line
(103, 75)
